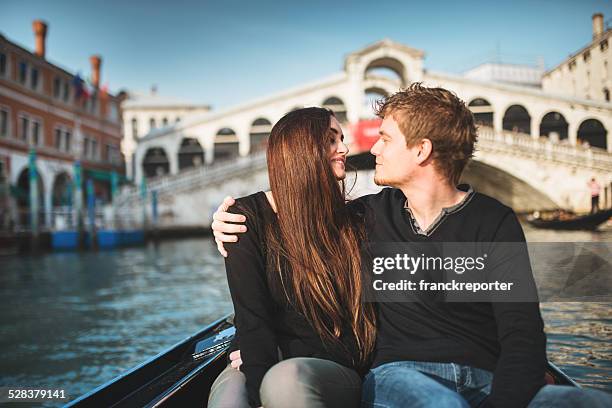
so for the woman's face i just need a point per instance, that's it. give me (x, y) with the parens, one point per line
(337, 149)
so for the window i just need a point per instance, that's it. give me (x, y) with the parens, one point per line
(85, 147)
(34, 78)
(603, 45)
(606, 92)
(66, 92)
(63, 139)
(571, 65)
(177, 120)
(57, 87)
(23, 72)
(90, 148)
(67, 141)
(4, 122)
(24, 131)
(165, 121)
(36, 137)
(94, 149)
(135, 128)
(586, 56)
(57, 138)
(151, 124)
(111, 154)
(3, 64)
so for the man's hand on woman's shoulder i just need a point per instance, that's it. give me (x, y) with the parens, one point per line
(223, 231)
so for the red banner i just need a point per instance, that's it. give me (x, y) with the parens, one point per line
(365, 133)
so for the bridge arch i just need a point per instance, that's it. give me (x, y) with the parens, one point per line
(388, 67)
(516, 118)
(337, 106)
(593, 132)
(517, 193)
(61, 194)
(190, 153)
(23, 196)
(370, 97)
(155, 162)
(259, 134)
(226, 144)
(554, 123)
(483, 111)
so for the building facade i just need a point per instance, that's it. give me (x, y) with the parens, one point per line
(515, 74)
(48, 110)
(144, 113)
(586, 74)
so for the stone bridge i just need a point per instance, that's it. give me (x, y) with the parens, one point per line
(525, 173)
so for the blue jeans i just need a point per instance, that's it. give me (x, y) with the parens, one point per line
(422, 384)
(418, 384)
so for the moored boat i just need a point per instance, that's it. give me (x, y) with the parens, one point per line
(182, 375)
(569, 221)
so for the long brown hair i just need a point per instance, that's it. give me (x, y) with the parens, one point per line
(316, 237)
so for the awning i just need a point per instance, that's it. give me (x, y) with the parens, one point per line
(102, 175)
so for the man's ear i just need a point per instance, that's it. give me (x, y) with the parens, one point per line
(425, 149)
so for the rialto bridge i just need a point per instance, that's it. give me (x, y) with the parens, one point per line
(536, 149)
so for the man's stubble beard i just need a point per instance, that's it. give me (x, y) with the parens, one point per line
(389, 182)
(381, 181)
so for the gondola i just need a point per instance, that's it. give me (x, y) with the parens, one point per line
(572, 222)
(182, 375)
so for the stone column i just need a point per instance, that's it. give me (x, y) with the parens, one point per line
(48, 196)
(172, 152)
(138, 173)
(572, 132)
(498, 119)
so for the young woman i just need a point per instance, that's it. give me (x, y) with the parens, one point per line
(295, 278)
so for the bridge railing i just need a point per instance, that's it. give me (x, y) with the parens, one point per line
(198, 177)
(543, 149)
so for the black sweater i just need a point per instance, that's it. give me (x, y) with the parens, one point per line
(264, 320)
(505, 338)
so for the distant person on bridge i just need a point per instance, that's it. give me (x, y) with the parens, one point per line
(442, 354)
(595, 190)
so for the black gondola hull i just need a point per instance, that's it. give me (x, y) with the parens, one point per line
(174, 378)
(586, 222)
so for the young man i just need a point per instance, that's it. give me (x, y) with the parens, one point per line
(440, 354)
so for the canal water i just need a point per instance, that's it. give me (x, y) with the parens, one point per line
(75, 321)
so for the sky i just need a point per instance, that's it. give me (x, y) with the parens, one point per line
(227, 52)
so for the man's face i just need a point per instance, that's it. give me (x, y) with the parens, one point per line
(395, 162)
